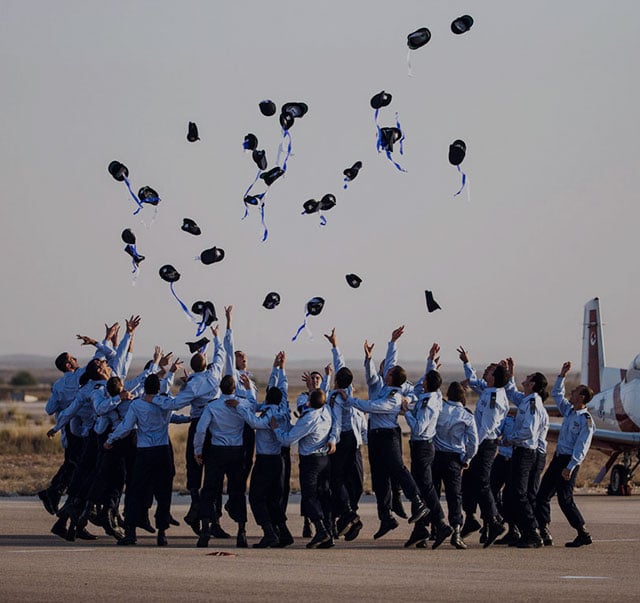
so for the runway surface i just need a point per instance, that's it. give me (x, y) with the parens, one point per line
(38, 566)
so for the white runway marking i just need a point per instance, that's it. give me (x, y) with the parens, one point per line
(584, 577)
(70, 550)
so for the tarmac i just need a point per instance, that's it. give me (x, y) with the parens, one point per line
(35, 565)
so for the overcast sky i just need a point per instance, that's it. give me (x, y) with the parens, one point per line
(545, 94)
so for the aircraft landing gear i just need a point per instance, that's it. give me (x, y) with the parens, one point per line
(620, 482)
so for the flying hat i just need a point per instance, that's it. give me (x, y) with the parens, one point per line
(211, 256)
(272, 175)
(260, 159)
(418, 38)
(327, 202)
(457, 152)
(461, 24)
(295, 109)
(388, 136)
(136, 258)
(286, 120)
(188, 225)
(205, 309)
(382, 99)
(352, 172)
(315, 305)
(118, 170)
(432, 304)
(196, 346)
(147, 195)
(271, 300)
(128, 237)
(192, 134)
(311, 206)
(169, 274)
(353, 280)
(267, 108)
(250, 142)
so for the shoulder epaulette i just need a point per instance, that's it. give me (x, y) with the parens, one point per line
(492, 400)
(532, 406)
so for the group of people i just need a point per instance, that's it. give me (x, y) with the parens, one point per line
(115, 432)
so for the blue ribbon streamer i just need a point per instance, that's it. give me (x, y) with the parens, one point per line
(286, 135)
(379, 130)
(301, 327)
(265, 234)
(464, 181)
(136, 255)
(323, 220)
(346, 183)
(401, 141)
(135, 197)
(398, 166)
(182, 304)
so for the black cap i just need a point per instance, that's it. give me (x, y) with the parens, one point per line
(137, 258)
(418, 38)
(311, 206)
(382, 99)
(352, 172)
(457, 152)
(271, 300)
(128, 237)
(353, 280)
(432, 304)
(389, 136)
(118, 170)
(295, 109)
(205, 309)
(169, 274)
(188, 225)
(315, 305)
(211, 256)
(267, 108)
(286, 120)
(251, 200)
(195, 346)
(192, 134)
(148, 195)
(327, 202)
(272, 175)
(250, 142)
(462, 24)
(260, 159)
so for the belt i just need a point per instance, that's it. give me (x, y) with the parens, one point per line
(382, 430)
(316, 454)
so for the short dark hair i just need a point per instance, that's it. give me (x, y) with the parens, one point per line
(84, 379)
(92, 370)
(500, 376)
(455, 393)
(61, 362)
(198, 362)
(152, 385)
(344, 378)
(312, 373)
(227, 385)
(540, 385)
(433, 381)
(274, 395)
(114, 386)
(586, 392)
(317, 398)
(397, 375)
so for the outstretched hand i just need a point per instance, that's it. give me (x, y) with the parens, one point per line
(368, 349)
(566, 367)
(463, 354)
(397, 333)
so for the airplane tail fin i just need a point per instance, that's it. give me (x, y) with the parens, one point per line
(592, 346)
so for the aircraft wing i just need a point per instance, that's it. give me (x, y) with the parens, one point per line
(607, 439)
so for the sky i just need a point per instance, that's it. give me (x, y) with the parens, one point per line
(544, 94)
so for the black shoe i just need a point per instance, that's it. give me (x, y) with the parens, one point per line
(344, 523)
(43, 495)
(71, 532)
(241, 540)
(321, 535)
(386, 525)
(354, 531)
(128, 540)
(218, 532)
(194, 524)
(511, 538)
(284, 535)
(396, 505)
(483, 533)
(306, 529)
(329, 544)
(192, 518)
(270, 538)
(162, 539)
(422, 545)
(530, 540)
(471, 525)
(145, 524)
(442, 533)
(495, 528)
(59, 528)
(546, 537)
(83, 534)
(205, 534)
(418, 536)
(173, 521)
(456, 539)
(418, 510)
(582, 539)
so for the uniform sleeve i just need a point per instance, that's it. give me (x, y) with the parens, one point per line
(385, 404)
(68, 413)
(557, 393)
(230, 357)
(219, 357)
(201, 431)
(374, 382)
(583, 441)
(103, 403)
(471, 440)
(122, 360)
(251, 419)
(125, 427)
(512, 392)
(53, 404)
(391, 359)
(302, 428)
(420, 421)
(477, 385)
(338, 359)
(166, 402)
(488, 422)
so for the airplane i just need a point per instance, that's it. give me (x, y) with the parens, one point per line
(615, 407)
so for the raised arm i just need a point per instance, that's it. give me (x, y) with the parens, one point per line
(557, 393)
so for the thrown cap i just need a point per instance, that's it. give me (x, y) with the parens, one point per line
(118, 170)
(192, 134)
(432, 304)
(271, 300)
(418, 38)
(169, 274)
(188, 225)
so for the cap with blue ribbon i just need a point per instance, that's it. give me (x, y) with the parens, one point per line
(415, 40)
(313, 308)
(325, 204)
(130, 239)
(207, 311)
(457, 153)
(170, 275)
(211, 256)
(351, 173)
(386, 137)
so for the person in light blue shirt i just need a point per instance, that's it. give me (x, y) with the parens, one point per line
(574, 440)
(313, 433)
